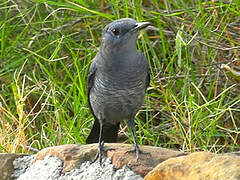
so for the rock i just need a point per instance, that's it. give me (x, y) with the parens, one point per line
(20, 165)
(73, 162)
(145, 163)
(94, 171)
(6, 165)
(197, 166)
(74, 155)
(49, 168)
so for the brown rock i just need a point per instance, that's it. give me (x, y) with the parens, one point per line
(196, 166)
(169, 164)
(146, 162)
(6, 165)
(73, 155)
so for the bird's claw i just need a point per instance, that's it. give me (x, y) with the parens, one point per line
(137, 150)
(101, 148)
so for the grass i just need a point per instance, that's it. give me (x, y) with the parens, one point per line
(47, 47)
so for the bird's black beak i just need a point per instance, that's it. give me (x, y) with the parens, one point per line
(141, 25)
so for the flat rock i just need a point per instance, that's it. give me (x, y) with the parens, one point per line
(151, 158)
(73, 162)
(73, 156)
(51, 168)
(198, 166)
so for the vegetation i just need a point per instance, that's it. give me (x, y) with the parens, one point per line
(47, 46)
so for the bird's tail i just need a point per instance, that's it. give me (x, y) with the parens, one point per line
(109, 132)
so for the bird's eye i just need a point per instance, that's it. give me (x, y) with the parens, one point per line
(115, 32)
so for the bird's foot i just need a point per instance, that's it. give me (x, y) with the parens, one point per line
(137, 150)
(99, 154)
(101, 148)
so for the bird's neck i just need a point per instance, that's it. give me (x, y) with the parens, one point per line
(118, 53)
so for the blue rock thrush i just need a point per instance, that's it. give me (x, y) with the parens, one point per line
(117, 81)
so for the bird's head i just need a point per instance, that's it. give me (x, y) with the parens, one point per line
(121, 34)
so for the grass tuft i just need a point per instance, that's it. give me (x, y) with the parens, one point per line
(47, 46)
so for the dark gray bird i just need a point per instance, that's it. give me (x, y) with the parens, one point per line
(117, 81)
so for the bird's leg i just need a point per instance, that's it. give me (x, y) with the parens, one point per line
(136, 148)
(100, 146)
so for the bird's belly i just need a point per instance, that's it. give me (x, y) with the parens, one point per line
(115, 105)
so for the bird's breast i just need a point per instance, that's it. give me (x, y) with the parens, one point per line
(117, 98)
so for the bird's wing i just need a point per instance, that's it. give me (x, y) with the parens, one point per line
(90, 82)
(91, 75)
(110, 131)
(94, 134)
